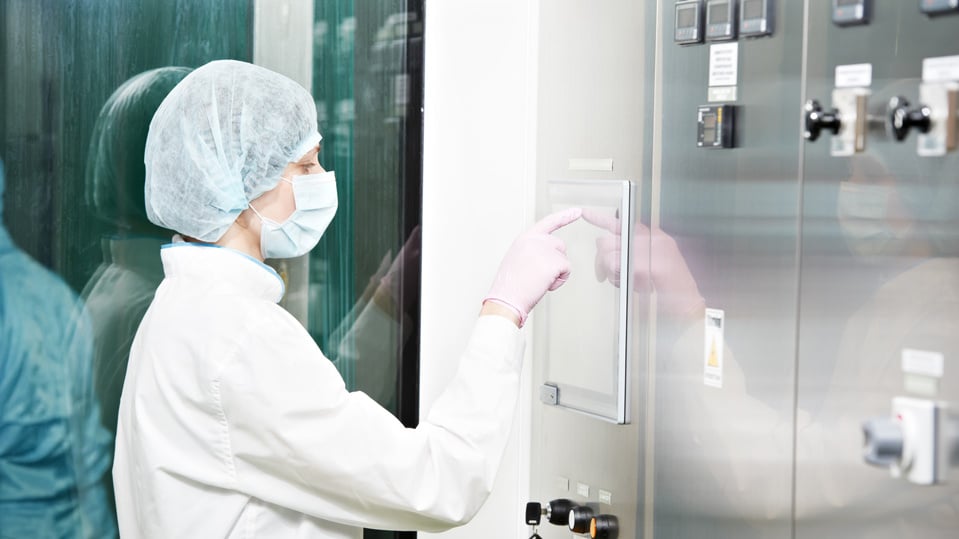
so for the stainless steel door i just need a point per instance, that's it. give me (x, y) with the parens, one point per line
(728, 241)
(879, 278)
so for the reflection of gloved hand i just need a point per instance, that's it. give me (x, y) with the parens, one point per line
(608, 246)
(374, 283)
(403, 290)
(533, 265)
(665, 269)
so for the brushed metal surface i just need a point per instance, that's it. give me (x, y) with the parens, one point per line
(865, 299)
(591, 99)
(728, 239)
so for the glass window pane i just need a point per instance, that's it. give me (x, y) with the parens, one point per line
(79, 82)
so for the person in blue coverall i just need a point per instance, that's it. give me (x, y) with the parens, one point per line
(53, 449)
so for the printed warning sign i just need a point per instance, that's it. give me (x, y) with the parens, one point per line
(713, 351)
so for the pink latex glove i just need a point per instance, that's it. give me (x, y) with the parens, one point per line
(534, 264)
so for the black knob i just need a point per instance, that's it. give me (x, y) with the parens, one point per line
(604, 527)
(901, 119)
(882, 442)
(557, 512)
(580, 518)
(533, 513)
(817, 120)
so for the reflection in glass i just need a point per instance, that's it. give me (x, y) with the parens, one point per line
(364, 284)
(121, 288)
(892, 259)
(73, 200)
(53, 449)
(364, 274)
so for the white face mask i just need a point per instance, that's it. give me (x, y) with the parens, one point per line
(316, 203)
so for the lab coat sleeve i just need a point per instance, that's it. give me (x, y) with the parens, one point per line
(300, 440)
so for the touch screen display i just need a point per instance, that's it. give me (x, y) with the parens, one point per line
(687, 17)
(753, 9)
(719, 13)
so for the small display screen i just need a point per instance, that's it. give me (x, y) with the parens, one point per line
(709, 129)
(687, 17)
(709, 137)
(719, 13)
(752, 9)
(848, 2)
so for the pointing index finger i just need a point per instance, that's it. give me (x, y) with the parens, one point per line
(555, 221)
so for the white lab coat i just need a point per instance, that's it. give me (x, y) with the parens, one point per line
(233, 424)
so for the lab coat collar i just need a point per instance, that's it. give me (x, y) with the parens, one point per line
(222, 266)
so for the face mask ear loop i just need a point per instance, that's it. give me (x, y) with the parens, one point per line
(262, 219)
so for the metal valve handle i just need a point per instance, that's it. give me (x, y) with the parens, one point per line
(817, 120)
(901, 119)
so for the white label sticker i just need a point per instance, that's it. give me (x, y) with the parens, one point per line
(606, 497)
(713, 351)
(582, 489)
(941, 69)
(854, 76)
(562, 483)
(597, 165)
(723, 64)
(721, 93)
(923, 362)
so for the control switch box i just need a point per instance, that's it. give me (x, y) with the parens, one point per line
(688, 27)
(850, 12)
(942, 99)
(721, 20)
(851, 106)
(716, 126)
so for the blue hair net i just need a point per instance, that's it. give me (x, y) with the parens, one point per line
(220, 139)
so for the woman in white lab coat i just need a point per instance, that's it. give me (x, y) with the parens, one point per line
(232, 422)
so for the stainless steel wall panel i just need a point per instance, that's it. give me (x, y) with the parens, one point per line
(879, 276)
(591, 96)
(727, 239)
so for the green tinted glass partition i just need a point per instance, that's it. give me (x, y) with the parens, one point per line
(364, 275)
(79, 82)
(367, 80)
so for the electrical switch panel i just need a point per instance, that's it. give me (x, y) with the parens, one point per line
(716, 126)
(720, 20)
(756, 18)
(850, 12)
(938, 7)
(915, 443)
(688, 27)
(942, 99)
(851, 105)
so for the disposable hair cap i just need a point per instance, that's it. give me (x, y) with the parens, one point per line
(220, 139)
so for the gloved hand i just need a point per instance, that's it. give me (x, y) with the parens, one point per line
(534, 264)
